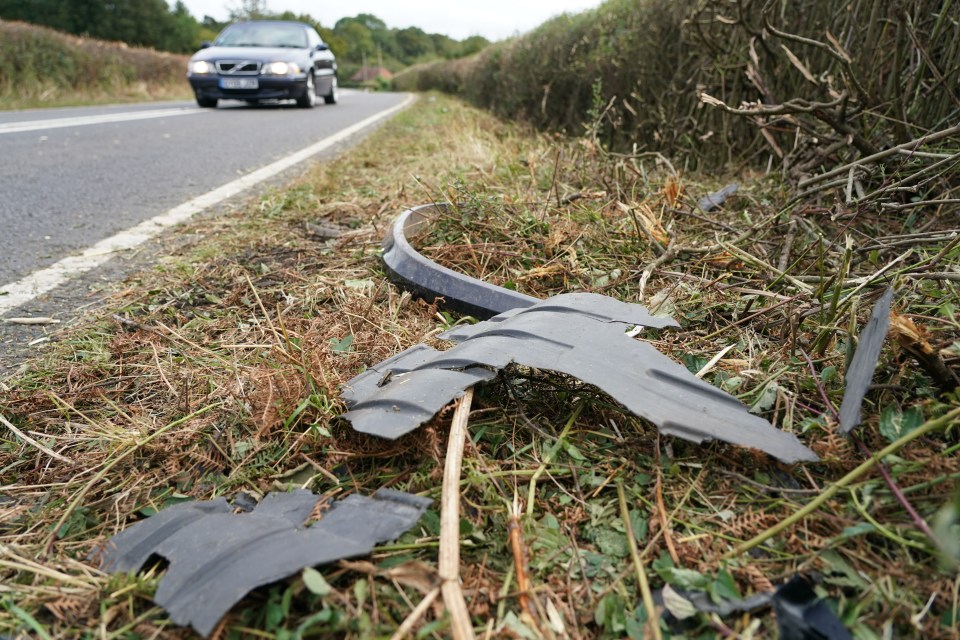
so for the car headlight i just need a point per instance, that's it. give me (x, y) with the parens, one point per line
(281, 69)
(202, 67)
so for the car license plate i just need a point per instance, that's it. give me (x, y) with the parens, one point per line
(239, 83)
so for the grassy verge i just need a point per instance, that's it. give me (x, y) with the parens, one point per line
(218, 372)
(46, 68)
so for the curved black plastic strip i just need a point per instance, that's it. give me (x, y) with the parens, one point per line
(428, 280)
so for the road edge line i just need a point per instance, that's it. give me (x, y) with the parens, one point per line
(19, 293)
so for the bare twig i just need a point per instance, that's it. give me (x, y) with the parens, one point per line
(784, 261)
(514, 531)
(886, 153)
(407, 626)
(32, 442)
(449, 564)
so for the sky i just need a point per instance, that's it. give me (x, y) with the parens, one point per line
(459, 19)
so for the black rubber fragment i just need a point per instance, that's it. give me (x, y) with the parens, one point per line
(582, 335)
(428, 280)
(864, 362)
(216, 557)
(801, 614)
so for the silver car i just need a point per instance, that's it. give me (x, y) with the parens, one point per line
(264, 60)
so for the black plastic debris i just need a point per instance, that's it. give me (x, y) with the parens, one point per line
(428, 280)
(801, 614)
(581, 335)
(715, 199)
(216, 556)
(864, 362)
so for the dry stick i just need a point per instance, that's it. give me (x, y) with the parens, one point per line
(784, 261)
(106, 469)
(927, 427)
(933, 137)
(520, 562)
(653, 619)
(662, 508)
(407, 626)
(449, 565)
(31, 441)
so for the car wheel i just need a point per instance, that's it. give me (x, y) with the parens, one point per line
(331, 98)
(207, 103)
(309, 97)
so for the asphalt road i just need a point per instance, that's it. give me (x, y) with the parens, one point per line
(72, 177)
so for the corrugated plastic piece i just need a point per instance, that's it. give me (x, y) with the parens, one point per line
(428, 280)
(216, 556)
(579, 334)
(864, 362)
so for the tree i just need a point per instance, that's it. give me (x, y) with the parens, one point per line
(250, 10)
(414, 43)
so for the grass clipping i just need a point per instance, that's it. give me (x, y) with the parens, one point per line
(217, 373)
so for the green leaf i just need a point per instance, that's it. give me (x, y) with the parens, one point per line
(611, 543)
(639, 524)
(731, 384)
(766, 399)
(685, 578)
(361, 588)
(611, 613)
(856, 530)
(342, 346)
(677, 605)
(724, 587)
(895, 424)
(314, 581)
(573, 452)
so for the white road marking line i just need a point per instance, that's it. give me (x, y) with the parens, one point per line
(80, 121)
(39, 282)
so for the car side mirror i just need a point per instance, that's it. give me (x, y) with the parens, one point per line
(323, 47)
(206, 44)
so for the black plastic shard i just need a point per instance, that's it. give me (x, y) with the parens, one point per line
(581, 335)
(864, 361)
(430, 281)
(801, 613)
(216, 556)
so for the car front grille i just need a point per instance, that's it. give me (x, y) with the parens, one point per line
(238, 67)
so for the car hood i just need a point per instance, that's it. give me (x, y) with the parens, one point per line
(264, 54)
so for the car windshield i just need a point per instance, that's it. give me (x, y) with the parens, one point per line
(263, 34)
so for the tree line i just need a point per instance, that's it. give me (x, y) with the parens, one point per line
(364, 38)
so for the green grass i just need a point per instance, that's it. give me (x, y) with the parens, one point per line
(223, 376)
